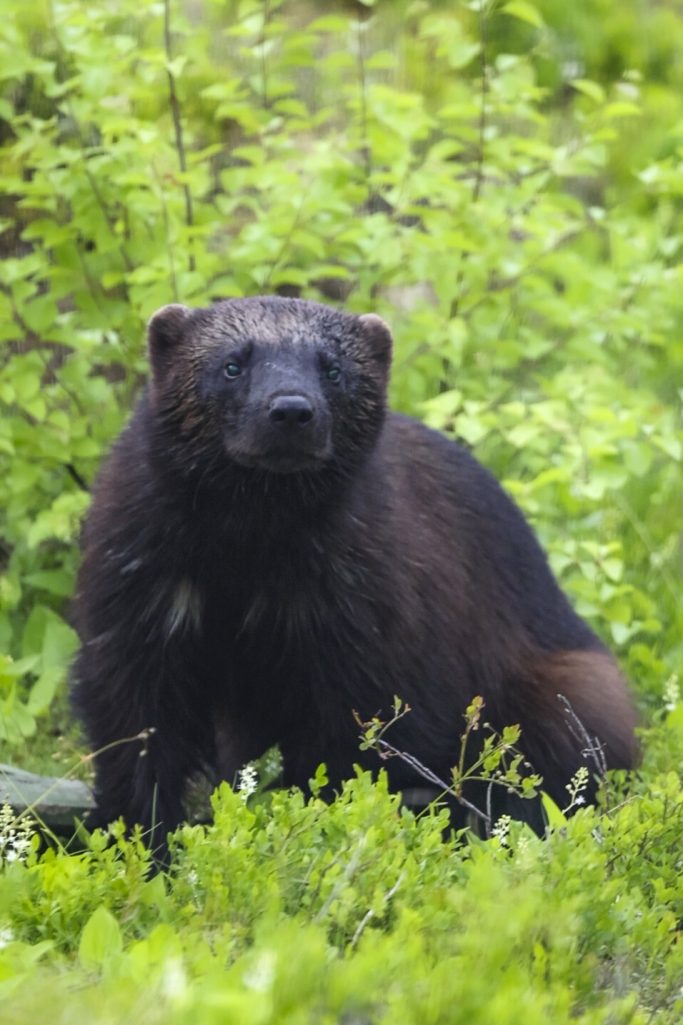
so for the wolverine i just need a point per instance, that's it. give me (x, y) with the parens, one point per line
(270, 550)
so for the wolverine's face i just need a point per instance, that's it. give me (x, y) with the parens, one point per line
(282, 385)
(276, 398)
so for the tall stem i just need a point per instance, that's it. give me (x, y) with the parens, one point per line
(479, 168)
(362, 79)
(177, 125)
(262, 48)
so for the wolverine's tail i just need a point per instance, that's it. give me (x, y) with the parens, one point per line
(574, 709)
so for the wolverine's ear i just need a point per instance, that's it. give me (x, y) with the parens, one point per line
(376, 332)
(163, 334)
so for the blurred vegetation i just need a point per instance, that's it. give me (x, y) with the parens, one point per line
(296, 913)
(500, 181)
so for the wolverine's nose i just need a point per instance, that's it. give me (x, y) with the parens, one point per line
(290, 411)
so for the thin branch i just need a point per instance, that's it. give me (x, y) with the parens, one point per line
(483, 64)
(479, 166)
(109, 219)
(177, 126)
(286, 239)
(365, 147)
(648, 542)
(422, 770)
(502, 284)
(369, 914)
(489, 809)
(76, 477)
(72, 395)
(29, 334)
(94, 287)
(592, 747)
(343, 880)
(167, 231)
(262, 51)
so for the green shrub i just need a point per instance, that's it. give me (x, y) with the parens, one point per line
(534, 298)
(356, 911)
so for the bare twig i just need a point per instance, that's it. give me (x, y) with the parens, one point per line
(483, 67)
(362, 77)
(489, 809)
(106, 213)
(488, 767)
(178, 126)
(592, 749)
(76, 477)
(391, 751)
(167, 232)
(92, 182)
(479, 166)
(262, 51)
(287, 239)
(343, 880)
(370, 913)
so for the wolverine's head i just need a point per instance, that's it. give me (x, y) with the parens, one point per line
(273, 384)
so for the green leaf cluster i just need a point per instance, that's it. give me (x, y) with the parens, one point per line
(513, 212)
(305, 912)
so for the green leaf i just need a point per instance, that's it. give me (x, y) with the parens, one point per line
(59, 643)
(100, 940)
(334, 24)
(556, 818)
(57, 581)
(525, 12)
(589, 88)
(43, 690)
(672, 445)
(319, 781)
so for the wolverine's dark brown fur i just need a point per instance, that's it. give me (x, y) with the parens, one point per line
(268, 550)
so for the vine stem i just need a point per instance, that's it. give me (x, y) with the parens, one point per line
(109, 218)
(177, 124)
(483, 66)
(363, 84)
(422, 770)
(262, 47)
(167, 232)
(479, 168)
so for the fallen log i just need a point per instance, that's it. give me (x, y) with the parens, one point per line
(53, 801)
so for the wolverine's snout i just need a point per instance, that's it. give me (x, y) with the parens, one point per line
(290, 411)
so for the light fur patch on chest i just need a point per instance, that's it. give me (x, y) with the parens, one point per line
(185, 612)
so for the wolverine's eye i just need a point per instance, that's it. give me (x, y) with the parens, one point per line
(232, 370)
(333, 374)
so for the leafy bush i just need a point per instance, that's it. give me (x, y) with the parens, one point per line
(357, 911)
(150, 156)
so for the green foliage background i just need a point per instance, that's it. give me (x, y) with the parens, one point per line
(502, 182)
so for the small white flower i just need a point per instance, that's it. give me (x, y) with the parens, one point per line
(261, 974)
(576, 786)
(174, 979)
(6, 821)
(501, 830)
(247, 781)
(672, 693)
(15, 836)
